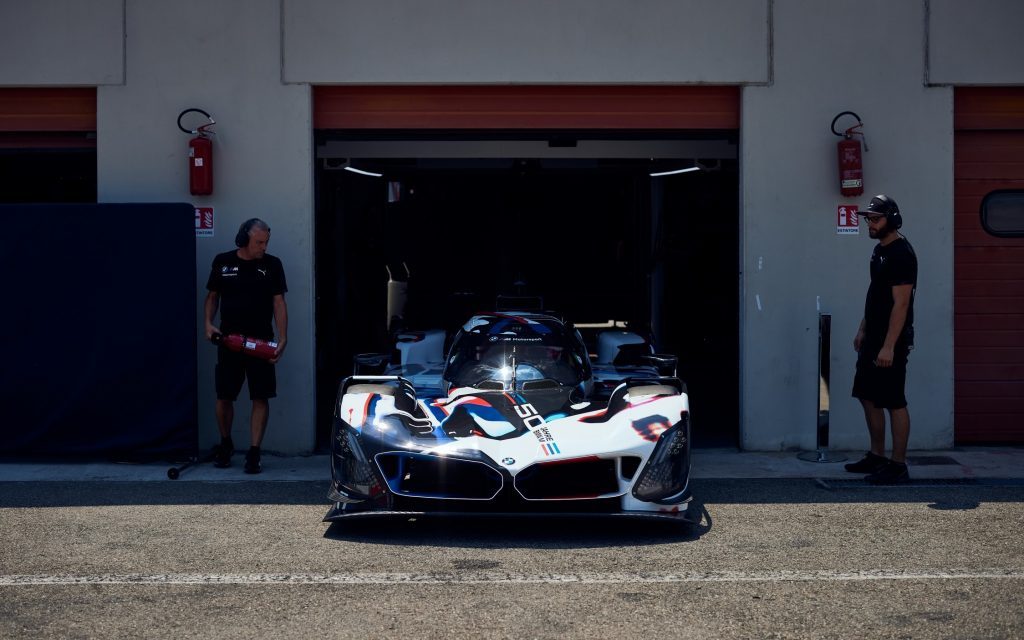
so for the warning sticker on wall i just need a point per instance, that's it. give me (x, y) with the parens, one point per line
(204, 222)
(847, 220)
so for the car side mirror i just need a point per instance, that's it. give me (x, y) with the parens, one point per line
(665, 363)
(370, 364)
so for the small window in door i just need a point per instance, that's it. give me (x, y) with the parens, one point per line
(1002, 213)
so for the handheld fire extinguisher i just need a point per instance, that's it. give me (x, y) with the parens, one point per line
(851, 169)
(200, 155)
(263, 349)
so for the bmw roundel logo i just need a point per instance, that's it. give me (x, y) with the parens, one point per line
(508, 462)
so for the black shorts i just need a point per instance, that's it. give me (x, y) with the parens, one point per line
(885, 387)
(233, 368)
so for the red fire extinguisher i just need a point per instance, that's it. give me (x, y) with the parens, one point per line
(263, 349)
(851, 169)
(200, 156)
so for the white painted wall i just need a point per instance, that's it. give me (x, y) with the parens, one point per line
(152, 58)
(832, 57)
(222, 57)
(977, 42)
(526, 41)
(61, 42)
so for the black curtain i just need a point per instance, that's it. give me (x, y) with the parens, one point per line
(99, 328)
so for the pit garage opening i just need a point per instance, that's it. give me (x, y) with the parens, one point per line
(47, 145)
(609, 229)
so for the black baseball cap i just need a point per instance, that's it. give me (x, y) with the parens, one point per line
(880, 205)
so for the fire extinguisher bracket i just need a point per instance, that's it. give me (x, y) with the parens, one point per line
(200, 155)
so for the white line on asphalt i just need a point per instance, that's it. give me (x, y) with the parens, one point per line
(503, 578)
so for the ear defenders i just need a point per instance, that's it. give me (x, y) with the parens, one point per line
(242, 239)
(894, 219)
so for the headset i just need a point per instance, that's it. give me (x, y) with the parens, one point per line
(894, 219)
(242, 239)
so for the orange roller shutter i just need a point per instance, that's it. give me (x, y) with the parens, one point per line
(988, 302)
(526, 107)
(49, 109)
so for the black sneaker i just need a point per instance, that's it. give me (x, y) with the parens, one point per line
(891, 473)
(222, 454)
(870, 463)
(252, 461)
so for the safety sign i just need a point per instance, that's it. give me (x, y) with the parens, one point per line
(847, 220)
(204, 222)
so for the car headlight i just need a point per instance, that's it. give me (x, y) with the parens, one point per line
(668, 470)
(354, 477)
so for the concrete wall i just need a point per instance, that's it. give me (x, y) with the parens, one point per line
(527, 41)
(222, 57)
(792, 256)
(977, 42)
(61, 42)
(250, 63)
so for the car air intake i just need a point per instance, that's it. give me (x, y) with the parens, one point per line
(667, 472)
(430, 476)
(352, 470)
(573, 479)
(630, 465)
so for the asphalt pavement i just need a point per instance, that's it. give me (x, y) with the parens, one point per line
(786, 549)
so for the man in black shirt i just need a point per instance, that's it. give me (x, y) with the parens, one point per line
(883, 343)
(248, 286)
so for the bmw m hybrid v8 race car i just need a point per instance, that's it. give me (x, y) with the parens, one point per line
(513, 420)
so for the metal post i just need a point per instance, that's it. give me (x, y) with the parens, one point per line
(824, 373)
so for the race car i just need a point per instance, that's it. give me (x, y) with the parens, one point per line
(511, 422)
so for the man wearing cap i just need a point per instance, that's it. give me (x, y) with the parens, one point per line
(883, 343)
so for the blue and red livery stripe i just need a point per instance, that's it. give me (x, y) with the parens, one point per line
(550, 448)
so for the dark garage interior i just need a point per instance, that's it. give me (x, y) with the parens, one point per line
(596, 238)
(47, 168)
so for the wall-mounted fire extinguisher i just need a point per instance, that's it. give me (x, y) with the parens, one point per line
(200, 155)
(851, 169)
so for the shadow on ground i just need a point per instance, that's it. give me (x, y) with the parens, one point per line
(938, 494)
(510, 532)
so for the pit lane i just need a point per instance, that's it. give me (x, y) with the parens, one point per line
(782, 557)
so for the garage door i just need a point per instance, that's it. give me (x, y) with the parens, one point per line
(526, 107)
(988, 270)
(47, 145)
(609, 196)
